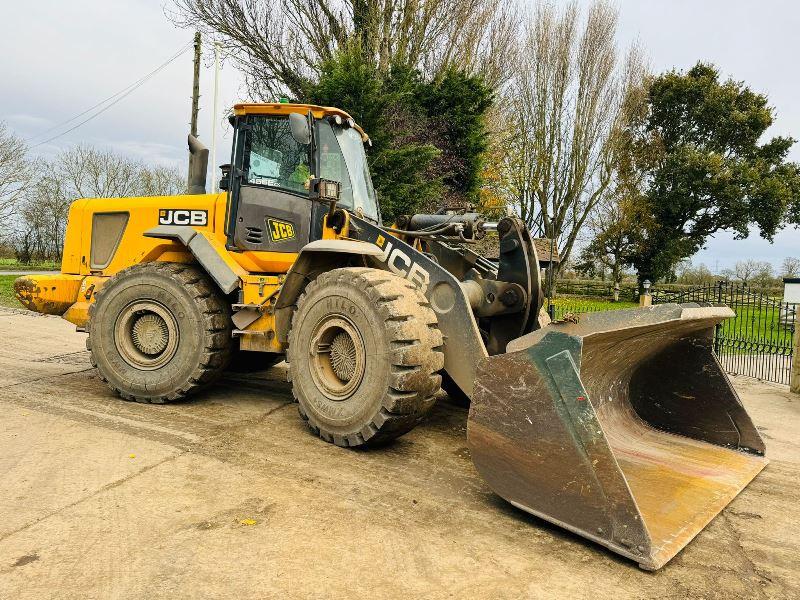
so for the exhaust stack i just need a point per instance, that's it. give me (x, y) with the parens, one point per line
(198, 165)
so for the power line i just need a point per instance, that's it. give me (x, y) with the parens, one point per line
(118, 97)
(123, 90)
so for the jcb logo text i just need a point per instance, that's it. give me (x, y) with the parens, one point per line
(173, 216)
(280, 231)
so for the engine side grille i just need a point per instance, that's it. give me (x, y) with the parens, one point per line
(254, 235)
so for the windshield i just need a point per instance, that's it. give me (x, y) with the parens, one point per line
(342, 159)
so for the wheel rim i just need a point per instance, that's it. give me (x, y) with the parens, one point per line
(337, 357)
(146, 335)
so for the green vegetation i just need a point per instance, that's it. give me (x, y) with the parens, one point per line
(701, 164)
(756, 329)
(7, 297)
(577, 305)
(428, 136)
(12, 264)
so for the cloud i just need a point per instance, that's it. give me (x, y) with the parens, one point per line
(723, 252)
(25, 124)
(92, 50)
(86, 51)
(150, 152)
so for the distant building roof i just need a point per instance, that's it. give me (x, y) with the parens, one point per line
(543, 250)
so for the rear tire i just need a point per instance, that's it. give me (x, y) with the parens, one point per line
(159, 332)
(364, 351)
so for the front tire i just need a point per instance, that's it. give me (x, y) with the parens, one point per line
(159, 332)
(364, 351)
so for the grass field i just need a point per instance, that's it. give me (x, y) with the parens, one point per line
(756, 329)
(578, 305)
(7, 293)
(12, 264)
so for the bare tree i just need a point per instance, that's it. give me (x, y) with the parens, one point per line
(687, 273)
(790, 267)
(15, 174)
(764, 275)
(745, 270)
(161, 181)
(81, 172)
(42, 218)
(88, 172)
(567, 105)
(280, 45)
(752, 271)
(609, 224)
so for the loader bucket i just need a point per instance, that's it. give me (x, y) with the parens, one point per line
(622, 428)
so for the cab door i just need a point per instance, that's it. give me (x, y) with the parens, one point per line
(270, 205)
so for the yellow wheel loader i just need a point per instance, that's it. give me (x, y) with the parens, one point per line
(621, 427)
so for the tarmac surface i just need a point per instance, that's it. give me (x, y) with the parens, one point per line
(229, 496)
(21, 273)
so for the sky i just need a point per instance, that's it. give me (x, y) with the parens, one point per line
(754, 41)
(60, 58)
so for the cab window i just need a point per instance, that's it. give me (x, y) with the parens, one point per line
(273, 158)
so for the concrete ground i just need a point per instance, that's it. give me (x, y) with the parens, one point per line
(229, 496)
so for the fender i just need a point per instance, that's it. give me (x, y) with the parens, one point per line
(225, 273)
(315, 257)
(463, 347)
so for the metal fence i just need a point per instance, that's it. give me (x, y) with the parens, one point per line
(759, 340)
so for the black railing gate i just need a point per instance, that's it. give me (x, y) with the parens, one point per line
(758, 341)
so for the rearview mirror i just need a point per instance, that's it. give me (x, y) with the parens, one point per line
(301, 132)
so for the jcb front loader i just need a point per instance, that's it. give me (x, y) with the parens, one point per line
(622, 427)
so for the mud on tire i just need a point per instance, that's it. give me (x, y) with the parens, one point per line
(364, 351)
(158, 332)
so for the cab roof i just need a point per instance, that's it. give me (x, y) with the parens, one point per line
(284, 108)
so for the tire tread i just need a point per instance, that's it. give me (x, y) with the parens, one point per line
(415, 345)
(216, 328)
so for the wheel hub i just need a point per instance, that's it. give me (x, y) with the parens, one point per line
(343, 356)
(150, 334)
(146, 335)
(338, 358)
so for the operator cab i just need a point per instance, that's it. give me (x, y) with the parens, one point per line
(281, 155)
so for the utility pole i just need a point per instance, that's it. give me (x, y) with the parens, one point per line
(214, 116)
(195, 103)
(196, 85)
